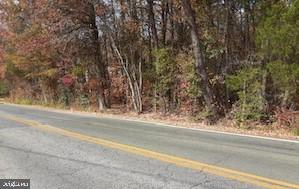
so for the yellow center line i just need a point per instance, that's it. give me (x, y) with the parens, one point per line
(182, 162)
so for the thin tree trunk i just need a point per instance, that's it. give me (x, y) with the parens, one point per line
(244, 102)
(153, 23)
(132, 81)
(263, 90)
(154, 35)
(45, 98)
(102, 102)
(285, 98)
(164, 18)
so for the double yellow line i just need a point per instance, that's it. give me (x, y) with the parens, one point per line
(182, 162)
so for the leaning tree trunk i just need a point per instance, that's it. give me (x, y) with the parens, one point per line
(200, 60)
(135, 85)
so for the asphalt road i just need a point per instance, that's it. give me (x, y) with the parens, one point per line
(51, 160)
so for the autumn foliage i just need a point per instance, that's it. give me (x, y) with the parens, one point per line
(204, 59)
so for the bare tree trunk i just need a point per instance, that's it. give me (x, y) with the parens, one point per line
(228, 52)
(44, 93)
(172, 23)
(99, 65)
(200, 59)
(107, 76)
(155, 37)
(101, 100)
(244, 102)
(285, 98)
(152, 22)
(134, 84)
(263, 91)
(164, 18)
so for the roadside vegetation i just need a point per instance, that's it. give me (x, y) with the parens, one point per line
(210, 61)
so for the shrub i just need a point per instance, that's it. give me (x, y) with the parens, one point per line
(165, 70)
(3, 89)
(285, 81)
(247, 83)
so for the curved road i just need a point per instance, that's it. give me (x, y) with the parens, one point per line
(52, 160)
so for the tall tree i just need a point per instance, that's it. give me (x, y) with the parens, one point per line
(199, 55)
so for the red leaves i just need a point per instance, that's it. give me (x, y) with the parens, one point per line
(101, 10)
(285, 117)
(32, 45)
(1, 54)
(35, 39)
(2, 70)
(68, 80)
(93, 84)
(2, 67)
(3, 35)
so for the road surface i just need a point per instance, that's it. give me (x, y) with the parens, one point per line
(54, 160)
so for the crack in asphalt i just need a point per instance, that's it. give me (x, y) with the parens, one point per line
(159, 176)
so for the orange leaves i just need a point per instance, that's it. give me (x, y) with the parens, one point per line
(1, 54)
(131, 26)
(32, 40)
(93, 84)
(2, 67)
(101, 10)
(286, 117)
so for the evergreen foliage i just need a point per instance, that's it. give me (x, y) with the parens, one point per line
(218, 57)
(248, 85)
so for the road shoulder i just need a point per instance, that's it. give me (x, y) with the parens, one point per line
(150, 119)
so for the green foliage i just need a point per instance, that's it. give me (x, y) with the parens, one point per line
(50, 50)
(248, 84)
(194, 82)
(83, 100)
(78, 71)
(213, 50)
(296, 131)
(64, 96)
(165, 67)
(24, 101)
(12, 70)
(50, 73)
(188, 71)
(285, 78)
(278, 32)
(3, 88)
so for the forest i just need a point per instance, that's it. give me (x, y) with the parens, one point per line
(206, 59)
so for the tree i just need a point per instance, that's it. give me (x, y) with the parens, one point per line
(278, 39)
(248, 84)
(76, 26)
(165, 70)
(200, 59)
